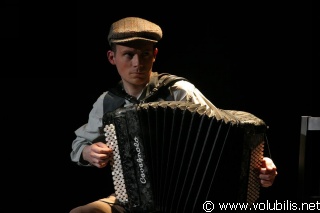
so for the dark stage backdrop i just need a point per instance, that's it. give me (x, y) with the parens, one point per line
(256, 58)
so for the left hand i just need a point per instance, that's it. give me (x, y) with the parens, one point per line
(268, 172)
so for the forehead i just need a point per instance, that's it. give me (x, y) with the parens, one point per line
(138, 45)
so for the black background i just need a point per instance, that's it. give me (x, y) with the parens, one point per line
(255, 57)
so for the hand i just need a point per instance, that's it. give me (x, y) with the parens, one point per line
(268, 172)
(98, 154)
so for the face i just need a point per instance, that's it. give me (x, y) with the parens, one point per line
(134, 62)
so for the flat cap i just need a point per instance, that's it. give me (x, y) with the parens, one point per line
(134, 28)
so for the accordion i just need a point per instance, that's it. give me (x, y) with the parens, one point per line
(174, 156)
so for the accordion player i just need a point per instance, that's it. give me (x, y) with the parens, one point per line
(173, 156)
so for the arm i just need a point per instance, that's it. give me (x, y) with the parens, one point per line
(84, 152)
(186, 91)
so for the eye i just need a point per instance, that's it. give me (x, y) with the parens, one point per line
(130, 55)
(146, 54)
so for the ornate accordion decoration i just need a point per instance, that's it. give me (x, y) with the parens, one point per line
(174, 156)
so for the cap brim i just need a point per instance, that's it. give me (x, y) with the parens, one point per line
(125, 40)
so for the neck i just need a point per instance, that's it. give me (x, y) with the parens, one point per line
(134, 91)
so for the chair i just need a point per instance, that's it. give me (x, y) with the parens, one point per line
(309, 155)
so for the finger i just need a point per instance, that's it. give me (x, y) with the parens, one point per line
(266, 180)
(269, 164)
(101, 163)
(263, 169)
(272, 172)
(266, 177)
(263, 163)
(101, 147)
(266, 183)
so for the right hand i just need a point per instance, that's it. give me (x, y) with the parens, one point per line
(97, 154)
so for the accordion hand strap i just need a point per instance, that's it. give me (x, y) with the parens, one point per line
(161, 90)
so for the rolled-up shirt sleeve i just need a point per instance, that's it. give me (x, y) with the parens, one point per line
(88, 132)
(186, 91)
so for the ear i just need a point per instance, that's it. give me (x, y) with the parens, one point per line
(110, 55)
(155, 53)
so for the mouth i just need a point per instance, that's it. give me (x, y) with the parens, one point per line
(138, 73)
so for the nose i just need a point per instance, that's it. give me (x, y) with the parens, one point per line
(136, 60)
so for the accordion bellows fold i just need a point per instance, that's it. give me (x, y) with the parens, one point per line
(232, 116)
(174, 156)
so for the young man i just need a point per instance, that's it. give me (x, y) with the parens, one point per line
(133, 51)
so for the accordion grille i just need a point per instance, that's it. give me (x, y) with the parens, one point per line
(253, 179)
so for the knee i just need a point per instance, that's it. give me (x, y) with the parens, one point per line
(89, 208)
(76, 210)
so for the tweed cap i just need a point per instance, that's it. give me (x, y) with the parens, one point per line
(134, 28)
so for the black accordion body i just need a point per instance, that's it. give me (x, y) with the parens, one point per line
(175, 156)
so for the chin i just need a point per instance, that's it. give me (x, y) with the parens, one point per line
(139, 81)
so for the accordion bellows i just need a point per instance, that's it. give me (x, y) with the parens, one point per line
(175, 156)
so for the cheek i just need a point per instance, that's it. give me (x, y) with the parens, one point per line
(120, 64)
(122, 69)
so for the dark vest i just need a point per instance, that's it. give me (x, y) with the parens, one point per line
(157, 90)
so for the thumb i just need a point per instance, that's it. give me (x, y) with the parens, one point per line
(268, 164)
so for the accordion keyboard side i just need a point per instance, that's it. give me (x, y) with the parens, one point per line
(129, 169)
